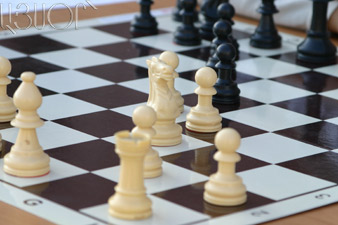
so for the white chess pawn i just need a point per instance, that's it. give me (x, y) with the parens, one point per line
(204, 118)
(7, 108)
(144, 117)
(26, 158)
(130, 201)
(224, 187)
(171, 59)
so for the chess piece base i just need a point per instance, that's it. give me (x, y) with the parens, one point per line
(7, 110)
(167, 135)
(204, 122)
(152, 165)
(229, 192)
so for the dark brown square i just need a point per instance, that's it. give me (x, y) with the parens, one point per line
(110, 96)
(100, 124)
(93, 155)
(11, 88)
(321, 134)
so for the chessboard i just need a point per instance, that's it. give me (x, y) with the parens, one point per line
(93, 78)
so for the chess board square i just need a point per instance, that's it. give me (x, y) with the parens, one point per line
(165, 42)
(30, 64)
(244, 45)
(11, 88)
(186, 63)
(268, 117)
(58, 170)
(203, 161)
(85, 37)
(68, 81)
(326, 169)
(61, 106)
(268, 68)
(164, 213)
(129, 109)
(239, 34)
(33, 44)
(243, 129)
(333, 120)
(199, 53)
(330, 70)
(51, 135)
(331, 94)
(10, 53)
(99, 124)
(167, 23)
(75, 58)
(172, 177)
(277, 183)
(268, 91)
(321, 134)
(188, 143)
(92, 155)
(122, 71)
(125, 50)
(291, 57)
(315, 106)
(273, 148)
(310, 80)
(142, 85)
(193, 199)
(107, 96)
(79, 191)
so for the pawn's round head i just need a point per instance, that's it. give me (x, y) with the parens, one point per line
(226, 52)
(222, 29)
(5, 66)
(225, 11)
(227, 140)
(206, 77)
(144, 116)
(28, 76)
(170, 58)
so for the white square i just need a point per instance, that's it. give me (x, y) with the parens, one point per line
(268, 91)
(10, 53)
(68, 81)
(267, 67)
(61, 106)
(167, 23)
(186, 63)
(331, 94)
(165, 42)
(51, 135)
(182, 85)
(269, 118)
(188, 143)
(84, 37)
(164, 213)
(273, 148)
(129, 109)
(172, 177)
(330, 70)
(75, 58)
(278, 183)
(244, 46)
(58, 170)
(333, 120)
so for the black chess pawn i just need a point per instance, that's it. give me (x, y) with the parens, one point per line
(317, 47)
(176, 13)
(187, 34)
(266, 35)
(144, 23)
(226, 86)
(222, 30)
(209, 11)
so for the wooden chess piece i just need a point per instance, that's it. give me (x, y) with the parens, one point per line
(27, 158)
(144, 117)
(224, 187)
(204, 117)
(144, 23)
(7, 108)
(130, 201)
(171, 59)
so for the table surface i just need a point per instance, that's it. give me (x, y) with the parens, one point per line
(12, 216)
